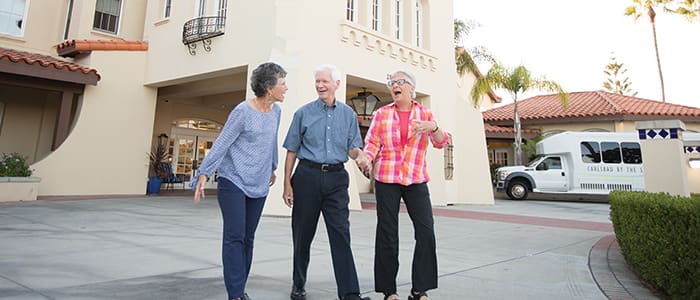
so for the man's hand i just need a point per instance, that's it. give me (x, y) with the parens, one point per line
(288, 194)
(364, 164)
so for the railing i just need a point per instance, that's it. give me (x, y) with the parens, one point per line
(202, 29)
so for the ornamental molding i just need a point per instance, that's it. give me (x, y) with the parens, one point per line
(372, 41)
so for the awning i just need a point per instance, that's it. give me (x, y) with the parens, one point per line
(46, 67)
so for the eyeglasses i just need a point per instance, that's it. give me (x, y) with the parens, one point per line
(400, 82)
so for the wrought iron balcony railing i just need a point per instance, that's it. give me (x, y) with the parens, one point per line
(202, 29)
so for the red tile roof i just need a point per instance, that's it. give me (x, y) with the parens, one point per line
(493, 131)
(25, 63)
(73, 48)
(600, 105)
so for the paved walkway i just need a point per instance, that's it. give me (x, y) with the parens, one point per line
(169, 248)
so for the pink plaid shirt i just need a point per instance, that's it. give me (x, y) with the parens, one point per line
(394, 163)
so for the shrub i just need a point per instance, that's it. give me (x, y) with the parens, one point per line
(14, 165)
(659, 236)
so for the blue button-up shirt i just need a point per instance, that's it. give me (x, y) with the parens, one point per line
(322, 133)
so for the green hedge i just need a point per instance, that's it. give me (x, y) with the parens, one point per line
(659, 236)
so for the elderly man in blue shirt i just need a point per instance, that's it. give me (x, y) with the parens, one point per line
(322, 135)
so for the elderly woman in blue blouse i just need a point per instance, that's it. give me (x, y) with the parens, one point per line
(245, 155)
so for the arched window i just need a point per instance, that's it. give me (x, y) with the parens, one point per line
(376, 15)
(419, 24)
(351, 11)
(198, 124)
(398, 19)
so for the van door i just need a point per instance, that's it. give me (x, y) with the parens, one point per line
(550, 175)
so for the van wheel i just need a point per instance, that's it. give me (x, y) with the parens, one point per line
(517, 189)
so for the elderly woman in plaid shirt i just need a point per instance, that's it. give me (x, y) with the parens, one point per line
(397, 142)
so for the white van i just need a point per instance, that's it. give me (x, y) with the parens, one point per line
(579, 163)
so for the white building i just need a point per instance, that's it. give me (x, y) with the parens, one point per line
(130, 71)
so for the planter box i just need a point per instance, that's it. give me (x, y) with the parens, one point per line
(18, 188)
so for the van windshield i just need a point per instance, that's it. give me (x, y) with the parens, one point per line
(535, 160)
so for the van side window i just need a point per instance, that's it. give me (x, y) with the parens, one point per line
(590, 152)
(611, 152)
(631, 153)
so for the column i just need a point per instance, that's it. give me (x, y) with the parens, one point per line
(664, 161)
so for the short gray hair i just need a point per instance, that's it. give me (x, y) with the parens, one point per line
(335, 73)
(265, 76)
(411, 80)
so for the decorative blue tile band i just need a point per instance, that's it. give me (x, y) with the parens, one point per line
(660, 134)
(692, 149)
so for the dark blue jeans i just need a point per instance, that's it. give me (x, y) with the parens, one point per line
(317, 192)
(241, 215)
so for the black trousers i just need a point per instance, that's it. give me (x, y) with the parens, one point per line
(386, 247)
(318, 192)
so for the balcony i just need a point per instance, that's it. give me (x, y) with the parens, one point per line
(202, 29)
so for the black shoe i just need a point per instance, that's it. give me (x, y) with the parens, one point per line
(246, 297)
(355, 297)
(297, 294)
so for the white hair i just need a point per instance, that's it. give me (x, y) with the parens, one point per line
(335, 73)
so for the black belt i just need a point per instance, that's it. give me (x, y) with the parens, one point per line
(322, 167)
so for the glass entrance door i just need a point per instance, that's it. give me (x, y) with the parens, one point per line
(188, 153)
(203, 146)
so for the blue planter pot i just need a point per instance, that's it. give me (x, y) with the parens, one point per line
(153, 187)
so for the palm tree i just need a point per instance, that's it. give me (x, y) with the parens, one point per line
(465, 58)
(647, 6)
(614, 70)
(515, 81)
(690, 9)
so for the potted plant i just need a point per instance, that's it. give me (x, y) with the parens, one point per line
(158, 155)
(16, 183)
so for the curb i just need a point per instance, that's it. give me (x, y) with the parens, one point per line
(613, 275)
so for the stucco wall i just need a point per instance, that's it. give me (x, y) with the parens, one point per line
(107, 151)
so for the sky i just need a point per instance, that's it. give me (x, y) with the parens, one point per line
(570, 42)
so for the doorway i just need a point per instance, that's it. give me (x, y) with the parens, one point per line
(188, 148)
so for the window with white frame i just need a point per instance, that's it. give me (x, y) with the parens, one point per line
(107, 15)
(398, 19)
(376, 15)
(166, 8)
(201, 8)
(351, 10)
(221, 8)
(12, 17)
(498, 156)
(419, 24)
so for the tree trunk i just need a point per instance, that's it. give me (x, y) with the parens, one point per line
(518, 135)
(652, 17)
